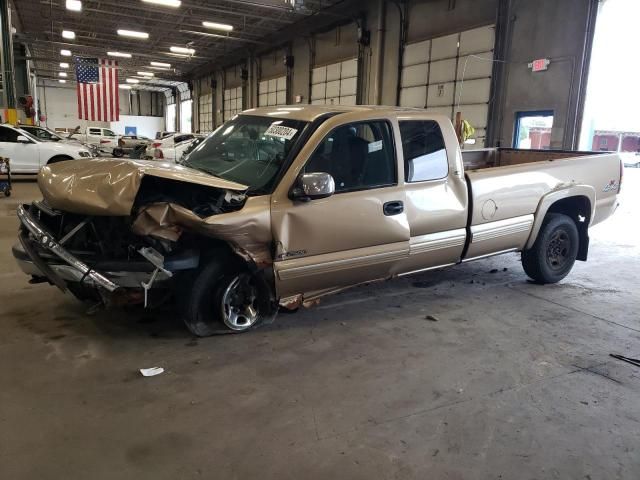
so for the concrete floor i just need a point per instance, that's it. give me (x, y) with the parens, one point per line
(513, 380)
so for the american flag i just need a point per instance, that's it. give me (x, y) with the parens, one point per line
(97, 87)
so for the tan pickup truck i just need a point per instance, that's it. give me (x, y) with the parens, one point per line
(280, 206)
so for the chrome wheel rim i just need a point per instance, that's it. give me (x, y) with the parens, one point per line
(558, 250)
(239, 311)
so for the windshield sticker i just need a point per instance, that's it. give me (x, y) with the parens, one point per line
(279, 131)
(375, 146)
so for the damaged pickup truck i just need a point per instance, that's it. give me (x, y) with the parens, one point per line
(280, 206)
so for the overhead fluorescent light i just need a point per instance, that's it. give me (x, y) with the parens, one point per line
(146, 74)
(132, 80)
(74, 5)
(62, 81)
(125, 87)
(165, 3)
(160, 64)
(62, 74)
(183, 50)
(64, 65)
(65, 53)
(119, 54)
(68, 34)
(133, 34)
(218, 26)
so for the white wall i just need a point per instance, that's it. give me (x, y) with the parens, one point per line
(60, 105)
(147, 126)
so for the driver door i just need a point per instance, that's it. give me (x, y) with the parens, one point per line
(24, 157)
(360, 232)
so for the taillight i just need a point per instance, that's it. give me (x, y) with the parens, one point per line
(158, 153)
(105, 141)
(155, 145)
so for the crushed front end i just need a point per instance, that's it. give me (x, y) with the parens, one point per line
(97, 257)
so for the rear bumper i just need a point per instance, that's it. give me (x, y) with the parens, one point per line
(70, 264)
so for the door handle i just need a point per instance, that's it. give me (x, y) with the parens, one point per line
(393, 208)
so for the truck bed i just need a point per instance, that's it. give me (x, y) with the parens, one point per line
(507, 186)
(502, 157)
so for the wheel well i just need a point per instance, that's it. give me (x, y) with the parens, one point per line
(59, 158)
(577, 209)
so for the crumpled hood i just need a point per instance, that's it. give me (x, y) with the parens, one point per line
(109, 186)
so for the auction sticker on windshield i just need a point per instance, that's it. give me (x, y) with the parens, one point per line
(279, 131)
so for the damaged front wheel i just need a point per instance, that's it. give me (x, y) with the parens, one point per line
(223, 299)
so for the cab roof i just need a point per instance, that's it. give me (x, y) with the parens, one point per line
(308, 113)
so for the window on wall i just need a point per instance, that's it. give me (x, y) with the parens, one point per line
(358, 156)
(205, 113)
(335, 84)
(272, 92)
(232, 102)
(185, 115)
(533, 130)
(170, 118)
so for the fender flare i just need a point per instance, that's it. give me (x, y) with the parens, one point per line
(552, 197)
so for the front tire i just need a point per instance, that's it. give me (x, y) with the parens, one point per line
(554, 252)
(223, 298)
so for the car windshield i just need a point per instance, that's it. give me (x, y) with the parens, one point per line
(248, 149)
(43, 134)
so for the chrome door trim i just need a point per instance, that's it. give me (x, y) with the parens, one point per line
(322, 267)
(437, 241)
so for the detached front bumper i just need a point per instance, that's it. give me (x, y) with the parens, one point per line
(73, 269)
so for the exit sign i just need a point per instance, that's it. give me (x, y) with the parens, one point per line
(539, 65)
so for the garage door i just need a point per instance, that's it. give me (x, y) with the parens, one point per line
(205, 113)
(272, 92)
(449, 74)
(232, 102)
(335, 84)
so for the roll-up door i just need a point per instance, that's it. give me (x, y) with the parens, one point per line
(272, 92)
(232, 102)
(205, 113)
(449, 74)
(335, 84)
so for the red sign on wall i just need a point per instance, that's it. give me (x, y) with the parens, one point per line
(539, 65)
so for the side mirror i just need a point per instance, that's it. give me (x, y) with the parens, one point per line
(22, 139)
(312, 186)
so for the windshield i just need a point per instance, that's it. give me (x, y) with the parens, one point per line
(43, 134)
(248, 149)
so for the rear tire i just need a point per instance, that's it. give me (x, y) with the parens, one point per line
(554, 252)
(223, 298)
(118, 152)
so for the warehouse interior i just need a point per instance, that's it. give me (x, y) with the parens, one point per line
(448, 368)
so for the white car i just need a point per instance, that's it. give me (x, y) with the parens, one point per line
(27, 153)
(104, 138)
(171, 147)
(46, 134)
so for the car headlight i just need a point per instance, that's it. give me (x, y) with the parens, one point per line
(84, 154)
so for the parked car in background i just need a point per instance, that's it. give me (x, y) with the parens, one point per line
(161, 135)
(28, 153)
(280, 208)
(104, 138)
(129, 143)
(46, 134)
(170, 148)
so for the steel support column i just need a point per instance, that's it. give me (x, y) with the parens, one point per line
(8, 68)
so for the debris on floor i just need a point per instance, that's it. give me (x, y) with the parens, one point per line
(431, 318)
(151, 372)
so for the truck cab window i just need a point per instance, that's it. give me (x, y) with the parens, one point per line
(425, 155)
(358, 156)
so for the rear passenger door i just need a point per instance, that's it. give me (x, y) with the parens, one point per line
(436, 194)
(357, 234)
